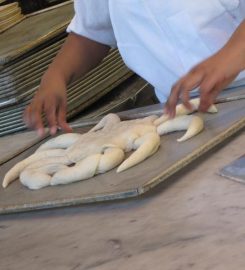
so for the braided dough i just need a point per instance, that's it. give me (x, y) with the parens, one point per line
(73, 157)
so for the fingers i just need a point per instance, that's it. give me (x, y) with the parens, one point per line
(210, 88)
(61, 117)
(33, 118)
(211, 76)
(55, 112)
(26, 116)
(182, 89)
(172, 101)
(190, 82)
(50, 111)
(207, 89)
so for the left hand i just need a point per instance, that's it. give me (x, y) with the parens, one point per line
(210, 76)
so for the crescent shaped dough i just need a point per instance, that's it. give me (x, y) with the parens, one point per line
(193, 124)
(195, 102)
(146, 146)
(182, 110)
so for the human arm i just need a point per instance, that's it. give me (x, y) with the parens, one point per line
(211, 75)
(77, 56)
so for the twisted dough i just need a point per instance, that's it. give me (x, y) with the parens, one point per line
(193, 124)
(88, 154)
(74, 157)
(182, 110)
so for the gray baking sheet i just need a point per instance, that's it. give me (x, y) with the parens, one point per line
(235, 170)
(12, 145)
(170, 158)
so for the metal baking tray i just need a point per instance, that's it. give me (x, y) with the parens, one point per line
(169, 159)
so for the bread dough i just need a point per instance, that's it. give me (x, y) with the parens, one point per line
(73, 157)
(182, 110)
(85, 155)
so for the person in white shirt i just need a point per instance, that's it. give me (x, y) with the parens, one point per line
(176, 45)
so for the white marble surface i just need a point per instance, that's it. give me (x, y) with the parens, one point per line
(197, 222)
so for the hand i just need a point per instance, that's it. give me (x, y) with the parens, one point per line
(210, 76)
(50, 99)
(77, 56)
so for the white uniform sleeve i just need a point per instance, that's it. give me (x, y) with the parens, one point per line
(92, 20)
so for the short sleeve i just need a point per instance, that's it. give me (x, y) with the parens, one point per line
(92, 20)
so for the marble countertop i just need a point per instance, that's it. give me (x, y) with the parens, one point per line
(196, 222)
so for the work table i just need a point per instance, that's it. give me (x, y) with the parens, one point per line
(193, 221)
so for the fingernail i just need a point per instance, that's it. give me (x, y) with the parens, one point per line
(172, 114)
(53, 130)
(40, 132)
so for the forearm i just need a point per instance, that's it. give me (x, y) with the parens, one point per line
(236, 45)
(77, 56)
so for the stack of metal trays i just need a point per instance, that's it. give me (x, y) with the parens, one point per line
(10, 15)
(22, 64)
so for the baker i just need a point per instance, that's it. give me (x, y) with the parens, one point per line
(177, 46)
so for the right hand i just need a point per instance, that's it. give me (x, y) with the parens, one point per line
(50, 100)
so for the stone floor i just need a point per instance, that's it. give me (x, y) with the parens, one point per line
(194, 222)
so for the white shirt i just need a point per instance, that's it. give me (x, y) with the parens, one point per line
(159, 40)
